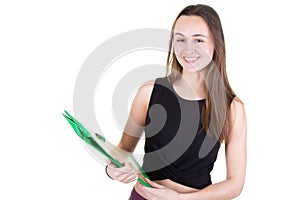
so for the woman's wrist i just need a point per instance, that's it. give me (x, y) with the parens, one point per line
(107, 173)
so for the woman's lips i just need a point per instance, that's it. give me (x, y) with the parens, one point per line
(190, 59)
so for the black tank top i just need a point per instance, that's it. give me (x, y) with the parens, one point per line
(174, 136)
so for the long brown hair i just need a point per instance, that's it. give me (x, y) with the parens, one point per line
(215, 116)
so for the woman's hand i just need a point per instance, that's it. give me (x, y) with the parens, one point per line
(157, 192)
(125, 174)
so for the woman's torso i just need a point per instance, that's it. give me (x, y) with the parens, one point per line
(174, 136)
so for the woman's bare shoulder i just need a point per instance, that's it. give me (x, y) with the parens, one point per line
(146, 88)
(143, 95)
(238, 118)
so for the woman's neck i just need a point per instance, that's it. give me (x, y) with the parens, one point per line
(191, 85)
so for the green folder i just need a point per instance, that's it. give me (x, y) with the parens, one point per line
(100, 144)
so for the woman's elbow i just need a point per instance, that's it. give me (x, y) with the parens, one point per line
(237, 188)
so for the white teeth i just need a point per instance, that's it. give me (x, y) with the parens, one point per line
(191, 59)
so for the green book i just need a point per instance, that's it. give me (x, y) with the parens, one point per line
(105, 148)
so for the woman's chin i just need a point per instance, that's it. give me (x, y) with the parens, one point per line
(192, 69)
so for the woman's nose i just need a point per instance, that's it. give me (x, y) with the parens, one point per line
(189, 47)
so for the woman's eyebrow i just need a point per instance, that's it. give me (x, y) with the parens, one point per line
(180, 34)
(198, 34)
(194, 35)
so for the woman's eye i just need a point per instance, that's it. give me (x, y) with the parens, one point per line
(180, 40)
(198, 41)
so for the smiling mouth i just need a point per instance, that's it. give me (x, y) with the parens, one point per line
(190, 59)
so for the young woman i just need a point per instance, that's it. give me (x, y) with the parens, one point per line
(186, 116)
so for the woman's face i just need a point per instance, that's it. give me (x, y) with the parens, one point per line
(193, 43)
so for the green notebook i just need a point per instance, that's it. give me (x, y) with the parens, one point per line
(104, 147)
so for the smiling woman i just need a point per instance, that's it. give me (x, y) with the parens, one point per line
(199, 110)
(193, 43)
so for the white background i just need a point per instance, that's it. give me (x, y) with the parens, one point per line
(44, 44)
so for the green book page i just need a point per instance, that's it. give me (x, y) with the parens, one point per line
(102, 150)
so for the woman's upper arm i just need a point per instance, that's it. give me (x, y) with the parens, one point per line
(136, 120)
(236, 145)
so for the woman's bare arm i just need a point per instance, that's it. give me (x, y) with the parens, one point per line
(136, 120)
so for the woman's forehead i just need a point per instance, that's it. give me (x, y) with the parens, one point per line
(191, 26)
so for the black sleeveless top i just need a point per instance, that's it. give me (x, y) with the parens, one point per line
(174, 137)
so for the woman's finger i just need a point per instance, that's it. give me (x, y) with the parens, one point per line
(128, 178)
(153, 184)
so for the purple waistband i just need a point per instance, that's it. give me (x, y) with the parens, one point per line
(135, 196)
